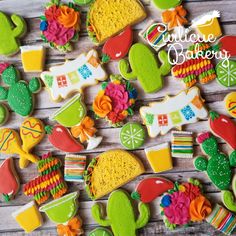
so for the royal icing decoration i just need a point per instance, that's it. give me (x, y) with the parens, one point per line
(222, 220)
(63, 209)
(184, 204)
(109, 171)
(31, 133)
(71, 113)
(197, 67)
(115, 101)
(107, 18)
(28, 217)
(184, 108)
(208, 25)
(155, 34)
(60, 25)
(145, 68)
(19, 94)
(182, 144)
(4, 114)
(159, 157)
(132, 136)
(118, 46)
(33, 58)
(49, 181)
(62, 81)
(100, 232)
(226, 73)
(57, 133)
(85, 131)
(218, 165)
(230, 104)
(222, 126)
(9, 182)
(120, 213)
(149, 189)
(74, 168)
(11, 30)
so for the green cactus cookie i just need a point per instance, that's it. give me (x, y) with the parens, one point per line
(166, 4)
(9, 43)
(100, 232)
(19, 94)
(145, 67)
(120, 214)
(218, 165)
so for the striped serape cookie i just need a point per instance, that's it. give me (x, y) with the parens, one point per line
(74, 168)
(182, 144)
(222, 220)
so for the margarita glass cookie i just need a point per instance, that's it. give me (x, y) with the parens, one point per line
(19, 94)
(115, 101)
(230, 104)
(60, 25)
(183, 204)
(11, 30)
(49, 181)
(121, 215)
(31, 133)
(9, 180)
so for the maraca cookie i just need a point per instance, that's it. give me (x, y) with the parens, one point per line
(230, 104)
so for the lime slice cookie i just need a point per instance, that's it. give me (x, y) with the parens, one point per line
(226, 73)
(82, 2)
(100, 232)
(132, 136)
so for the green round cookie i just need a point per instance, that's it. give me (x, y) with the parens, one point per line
(226, 74)
(82, 2)
(3, 114)
(100, 232)
(166, 4)
(132, 136)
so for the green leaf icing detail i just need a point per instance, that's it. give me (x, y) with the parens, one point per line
(149, 119)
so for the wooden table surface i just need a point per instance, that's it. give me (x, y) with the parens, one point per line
(183, 168)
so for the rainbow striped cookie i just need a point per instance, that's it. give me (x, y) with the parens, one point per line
(222, 220)
(182, 144)
(74, 168)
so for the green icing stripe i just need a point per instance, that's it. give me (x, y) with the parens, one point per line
(32, 130)
(5, 140)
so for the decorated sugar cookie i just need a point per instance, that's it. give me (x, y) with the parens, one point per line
(19, 94)
(132, 136)
(208, 25)
(222, 220)
(185, 203)
(71, 113)
(11, 30)
(49, 181)
(182, 144)
(107, 18)
(31, 133)
(223, 127)
(149, 189)
(159, 157)
(28, 217)
(4, 114)
(199, 68)
(121, 215)
(109, 171)
(145, 68)
(100, 231)
(185, 108)
(118, 46)
(226, 73)
(64, 80)
(155, 34)
(82, 2)
(230, 104)
(60, 138)
(9, 181)
(164, 5)
(218, 165)
(115, 101)
(33, 58)
(227, 44)
(60, 25)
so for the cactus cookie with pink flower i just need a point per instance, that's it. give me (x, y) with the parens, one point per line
(218, 166)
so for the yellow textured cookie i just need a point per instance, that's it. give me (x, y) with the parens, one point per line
(106, 18)
(109, 171)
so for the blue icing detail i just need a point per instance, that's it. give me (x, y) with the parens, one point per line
(166, 200)
(188, 112)
(84, 72)
(43, 25)
(133, 94)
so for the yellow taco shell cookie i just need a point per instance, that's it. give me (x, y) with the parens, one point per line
(109, 171)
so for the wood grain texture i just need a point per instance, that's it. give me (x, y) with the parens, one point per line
(213, 93)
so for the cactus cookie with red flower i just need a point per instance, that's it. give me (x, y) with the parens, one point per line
(115, 101)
